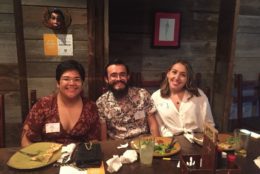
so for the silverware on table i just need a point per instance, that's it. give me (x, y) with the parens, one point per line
(171, 145)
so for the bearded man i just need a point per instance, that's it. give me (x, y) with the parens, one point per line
(125, 112)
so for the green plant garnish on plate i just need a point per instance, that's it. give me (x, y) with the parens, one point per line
(161, 148)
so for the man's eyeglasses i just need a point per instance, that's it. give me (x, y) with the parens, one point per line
(120, 75)
(68, 79)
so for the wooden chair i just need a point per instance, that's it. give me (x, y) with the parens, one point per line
(2, 121)
(247, 92)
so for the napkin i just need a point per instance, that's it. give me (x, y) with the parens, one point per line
(114, 164)
(189, 136)
(128, 156)
(71, 170)
(66, 152)
(257, 161)
(253, 134)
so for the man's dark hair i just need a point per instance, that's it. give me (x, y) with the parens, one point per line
(115, 62)
(70, 65)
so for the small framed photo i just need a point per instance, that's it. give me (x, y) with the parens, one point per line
(167, 29)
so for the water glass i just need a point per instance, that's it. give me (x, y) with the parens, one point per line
(241, 141)
(146, 149)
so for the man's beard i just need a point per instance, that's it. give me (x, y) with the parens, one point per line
(118, 93)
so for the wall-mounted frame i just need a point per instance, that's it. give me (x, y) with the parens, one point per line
(167, 29)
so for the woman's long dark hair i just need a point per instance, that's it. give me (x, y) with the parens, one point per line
(190, 86)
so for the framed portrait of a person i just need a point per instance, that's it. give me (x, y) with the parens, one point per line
(56, 19)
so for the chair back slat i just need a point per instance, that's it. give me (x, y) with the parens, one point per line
(33, 97)
(2, 121)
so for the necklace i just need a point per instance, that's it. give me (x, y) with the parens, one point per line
(177, 99)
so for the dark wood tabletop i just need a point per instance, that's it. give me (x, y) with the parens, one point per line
(159, 165)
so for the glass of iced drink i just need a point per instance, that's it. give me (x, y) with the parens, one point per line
(146, 148)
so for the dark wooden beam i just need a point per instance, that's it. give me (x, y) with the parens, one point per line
(225, 52)
(96, 50)
(18, 16)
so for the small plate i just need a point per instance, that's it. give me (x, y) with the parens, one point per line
(165, 140)
(22, 161)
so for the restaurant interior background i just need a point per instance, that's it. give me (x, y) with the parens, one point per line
(219, 38)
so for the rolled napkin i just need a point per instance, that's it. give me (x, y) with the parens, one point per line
(66, 152)
(114, 164)
(257, 161)
(128, 156)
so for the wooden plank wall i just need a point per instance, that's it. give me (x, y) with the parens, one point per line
(41, 68)
(9, 75)
(248, 40)
(131, 33)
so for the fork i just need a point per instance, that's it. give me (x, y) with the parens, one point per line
(170, 146)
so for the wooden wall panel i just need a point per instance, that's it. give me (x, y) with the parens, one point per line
(9, 70)
(9, 76)
(131, 34)
(250, 7)
(7, 48)
(43, 69)
(57, 3)
(35, 51)
(248, 40)
(12, 107)
(6, 6)
(249, 24)
(249, 67)
(7, 23)
(9, 84)
(248, 45)
(44, 86)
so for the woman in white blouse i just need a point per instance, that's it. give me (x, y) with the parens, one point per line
(181, 107)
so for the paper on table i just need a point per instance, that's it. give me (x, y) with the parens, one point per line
(66, 151)
(71, 170)
(253, 134)
(122, 146)
(257, 161)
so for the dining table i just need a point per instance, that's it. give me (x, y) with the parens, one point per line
(159, 165)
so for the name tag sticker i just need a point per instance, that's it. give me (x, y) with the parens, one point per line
(139, 115)
(52, 127)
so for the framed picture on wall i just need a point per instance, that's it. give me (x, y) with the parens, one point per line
(167, 29)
